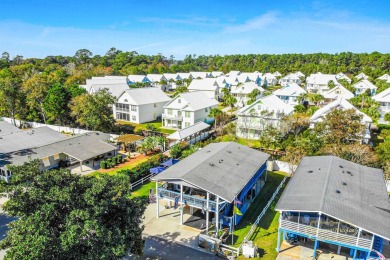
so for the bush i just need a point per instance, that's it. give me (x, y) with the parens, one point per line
(119, 159)
(113, 161)
(142, 170)
(109, 164)
(103, 165)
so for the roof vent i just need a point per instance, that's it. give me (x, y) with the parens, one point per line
(337, 191)
(229, 151)
(319, 169)
(344, 183)
(310, 171)
(341, 166)
(238, 164)
(211, 164)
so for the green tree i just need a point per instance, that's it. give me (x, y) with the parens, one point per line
(299, 108)
(302, 97)
(56, 104)
(316, 98)
(214, 113)
(94, 111)
(67, 216)
(10, 93)
(387, 117)
(331, 84)
(83, 55)
(253, 95)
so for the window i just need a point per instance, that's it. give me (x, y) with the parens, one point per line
(187, 114)
(133, 118)
(134, 108)
(179, 113)
(155, 105)
(122, 107)
(122, 116)
(179, 101)
(206, 110)
(187, 124)
(170, 112)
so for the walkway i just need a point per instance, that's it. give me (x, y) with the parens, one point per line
(168, 227)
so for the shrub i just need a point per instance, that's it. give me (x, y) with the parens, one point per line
(103, 165)
(109, 164)
(113, 161)
(119, 159)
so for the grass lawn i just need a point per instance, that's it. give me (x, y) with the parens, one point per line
(140, 127)
(265, 236)
(251, 142)
(143, 190)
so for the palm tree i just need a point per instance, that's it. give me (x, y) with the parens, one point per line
(215, 112)
(230, 101)
(316, 98)
(302, 97)
(253, 95)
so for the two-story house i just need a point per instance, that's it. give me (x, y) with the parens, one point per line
(242, 93)
(140, 105)
(263, 113)
(290, 78)
(364, 85)
(384, 100)
(337, 92)
(289, 93)
(208, 86)
(318, 82)
(186, 109)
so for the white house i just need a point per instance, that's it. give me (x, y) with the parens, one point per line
(343, 104)
(231, 80)
(140, 105)
(362, 76)
(299, 74)
(289, 93)
(264, 112)
(233, 73)
(341, 75)
(290, 78)
(114, 84)
(243, 78)
(184, 75)
(208, 85)
(156, 80)
(199, 74)
(133, 79)
(216, 74)
(385, 77)
(277, 74)
(186, 109)
(172, 78)
(318, 82)
(253, 76)
(337, 92)
(384, 100)
(268, 80)
(364, 85)
(222, 83)
(242, 92)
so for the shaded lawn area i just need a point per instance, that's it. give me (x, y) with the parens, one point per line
(143, 190)
(265, 235)
(140, 127)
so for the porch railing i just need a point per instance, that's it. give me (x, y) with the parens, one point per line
(188, 199)
(326, 235)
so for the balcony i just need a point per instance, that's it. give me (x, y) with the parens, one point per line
(189, 200)
(326, 235)
(172, 117)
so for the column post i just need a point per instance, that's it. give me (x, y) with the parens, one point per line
(315, 249)
(181, 204)
(217, 216)
(157, 201)
(207, 212)
(318, 225)
(278, 243)
(354, 254)
(81, 166)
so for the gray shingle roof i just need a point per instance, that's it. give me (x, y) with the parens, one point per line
(188, 131)
(7, 128)
(81, 147)
(29, 139)
(363, 200)
(220, 168)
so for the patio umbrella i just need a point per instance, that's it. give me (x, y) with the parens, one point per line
(169, 162)
(157, 169)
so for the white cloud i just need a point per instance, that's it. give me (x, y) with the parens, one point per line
(254, 23)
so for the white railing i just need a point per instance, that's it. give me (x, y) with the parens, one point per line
(232, 250)
(142, 181)
(324, 234)
(187, 199)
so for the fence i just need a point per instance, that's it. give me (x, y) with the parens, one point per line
(142, 181)
(284, 167)
(61, 129)
(250, 233)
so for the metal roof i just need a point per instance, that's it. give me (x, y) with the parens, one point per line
(186, 132)
(222, 169)
(342, 189)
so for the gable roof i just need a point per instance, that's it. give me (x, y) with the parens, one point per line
(364, 84)
(270, 103)
(114, 89)
(362, 201)
(156, 77)
(253, 76)
(217, 73)
(137, 78)
(292, 90)
(362, 76)
(345, 93)
(338, 103)
(222, 169)
(246, 88)
(185, 75)
(321, 79)
(173, 76)
(195, 101)
(199, 74)
(207, 84)
(291, 76)
(233, 73)
(188, 131)
(383, 96)
(142, 96)
(299, 74)
(385, 77)
(277, 74)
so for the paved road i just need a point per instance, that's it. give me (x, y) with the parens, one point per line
(158, 248)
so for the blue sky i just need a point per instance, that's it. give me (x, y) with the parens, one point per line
(40, 28)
